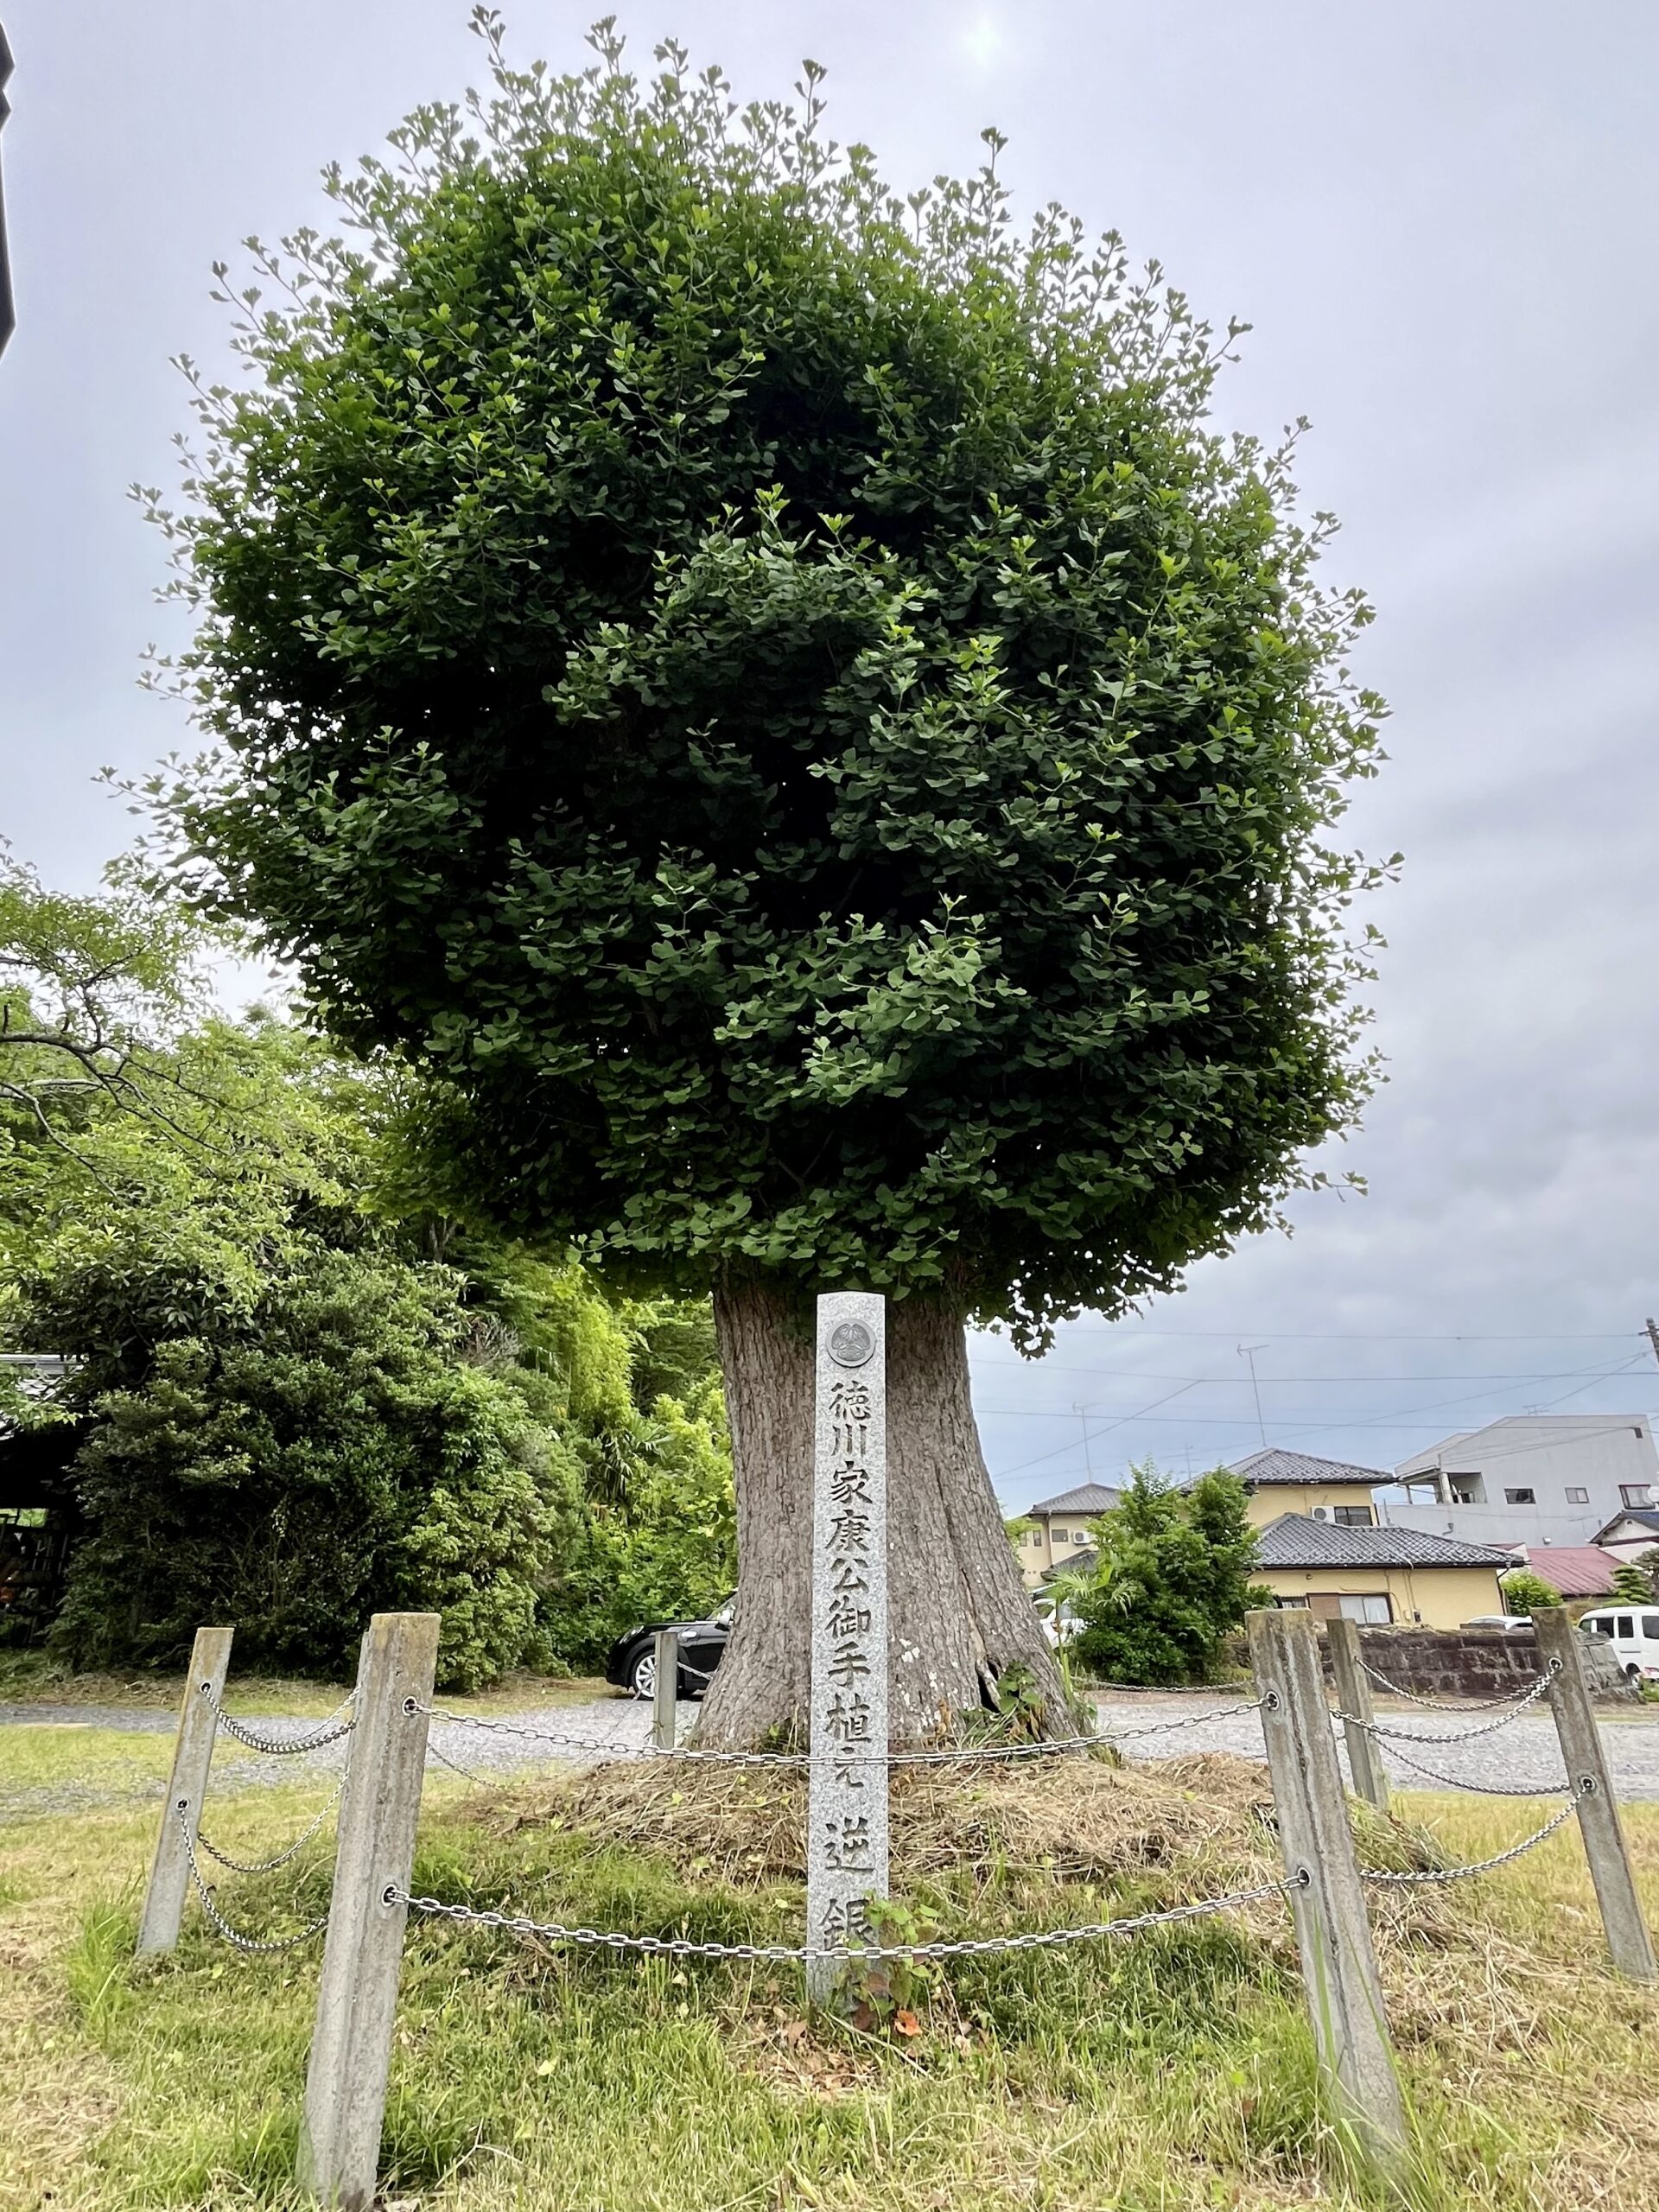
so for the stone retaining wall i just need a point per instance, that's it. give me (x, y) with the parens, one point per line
(1476, 1661)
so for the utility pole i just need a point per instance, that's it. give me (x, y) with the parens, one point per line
(1248, 1352)
(1082, 1413)
(7, 318)
(1653, 1335)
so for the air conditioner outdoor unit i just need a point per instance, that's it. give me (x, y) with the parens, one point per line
(1321, 1513)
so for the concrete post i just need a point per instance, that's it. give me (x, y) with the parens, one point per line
(357, 1997)
(665, 1695)
(1333, 1936)
(1628, 1939)
(193, 1755)
(1353, 1687)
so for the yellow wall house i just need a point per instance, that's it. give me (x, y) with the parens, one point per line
(1060, 1529)
(1295, 1481)
(1404, 1575)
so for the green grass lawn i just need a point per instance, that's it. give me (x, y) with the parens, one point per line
(1167, 2072)
(30, 1678)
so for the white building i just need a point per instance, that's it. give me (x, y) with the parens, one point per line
(1531, 1479)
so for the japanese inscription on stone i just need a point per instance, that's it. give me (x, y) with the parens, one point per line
(847, 1814)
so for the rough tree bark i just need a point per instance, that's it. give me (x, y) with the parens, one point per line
(959, 1614)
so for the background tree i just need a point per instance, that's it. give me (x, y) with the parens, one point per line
(94, 991)
(1632, 1584)
(774, 694)
(300, 1389)
(1170, 1582)
(1525, 1592)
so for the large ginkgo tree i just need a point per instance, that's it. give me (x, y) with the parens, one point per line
(777, 696)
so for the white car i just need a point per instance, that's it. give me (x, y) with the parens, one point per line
(1633, 1631)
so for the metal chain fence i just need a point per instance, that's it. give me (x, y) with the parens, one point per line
(678, 1946)
(962, 1754)
(1382, 1729)
(251, 1944)
(1437, 1704)
(269, 1865)
(1381, 1875)
(340, 1722)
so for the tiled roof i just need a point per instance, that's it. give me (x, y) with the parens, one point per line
(1088, 1498)
(1644, 1516)
(1293, 1540)
(1276, 1466)
(1576, 1570)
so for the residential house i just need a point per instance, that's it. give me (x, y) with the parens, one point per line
(1576, 1570)
(1058, 1534)
(1532, 1478)
(1630, 1534)
(1277, 1483)
(1377, 1574)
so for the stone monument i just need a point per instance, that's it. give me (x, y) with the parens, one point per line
(847, 1810)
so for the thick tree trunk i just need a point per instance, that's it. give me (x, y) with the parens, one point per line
(958, 1612)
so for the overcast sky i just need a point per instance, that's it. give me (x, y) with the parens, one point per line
(1442, 222)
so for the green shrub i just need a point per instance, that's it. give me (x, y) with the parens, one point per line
(1525, 1592)
(1171, 1579)
(319, 1450)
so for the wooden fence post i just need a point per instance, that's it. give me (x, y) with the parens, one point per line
(193, 1755)
(1345, 1995)
(357, 1997)
(1353, 1688)
(666, 1693)
(1586, 1759)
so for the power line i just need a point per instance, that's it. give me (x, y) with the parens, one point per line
(1325, 1428)
(1163, 1374)
(1369, 1336)
(1307, 1425)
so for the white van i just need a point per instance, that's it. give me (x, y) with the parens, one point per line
(1634, 1633)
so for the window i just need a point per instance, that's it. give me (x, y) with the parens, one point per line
(1520, 1497)
(1467, 1489)
(1577, 1496)
(1366, 1608)
(1626, 1625)
(1639, 1495)
(1354, 1516)
(1650, 1626)
(1595, 1625)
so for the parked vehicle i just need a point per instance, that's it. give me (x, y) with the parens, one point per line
(1511, 1621)
(633, 1662)
(1633, 1631)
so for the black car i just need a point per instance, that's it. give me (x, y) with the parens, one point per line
(633, 1662)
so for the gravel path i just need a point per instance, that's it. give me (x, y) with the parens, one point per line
(1523, 1753)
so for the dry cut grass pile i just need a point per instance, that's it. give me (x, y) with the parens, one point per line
(1078, 1820)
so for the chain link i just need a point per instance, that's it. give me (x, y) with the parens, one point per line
(961, 1754)
(443, 1759)
(327, 1732)
(251, 1944)
(1479, 1789)
(1436, 1705)
(1455, 1735)
(1585, 1789)
(269, 1865)
(786, 1954)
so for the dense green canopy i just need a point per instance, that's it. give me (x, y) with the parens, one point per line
(776, 695)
